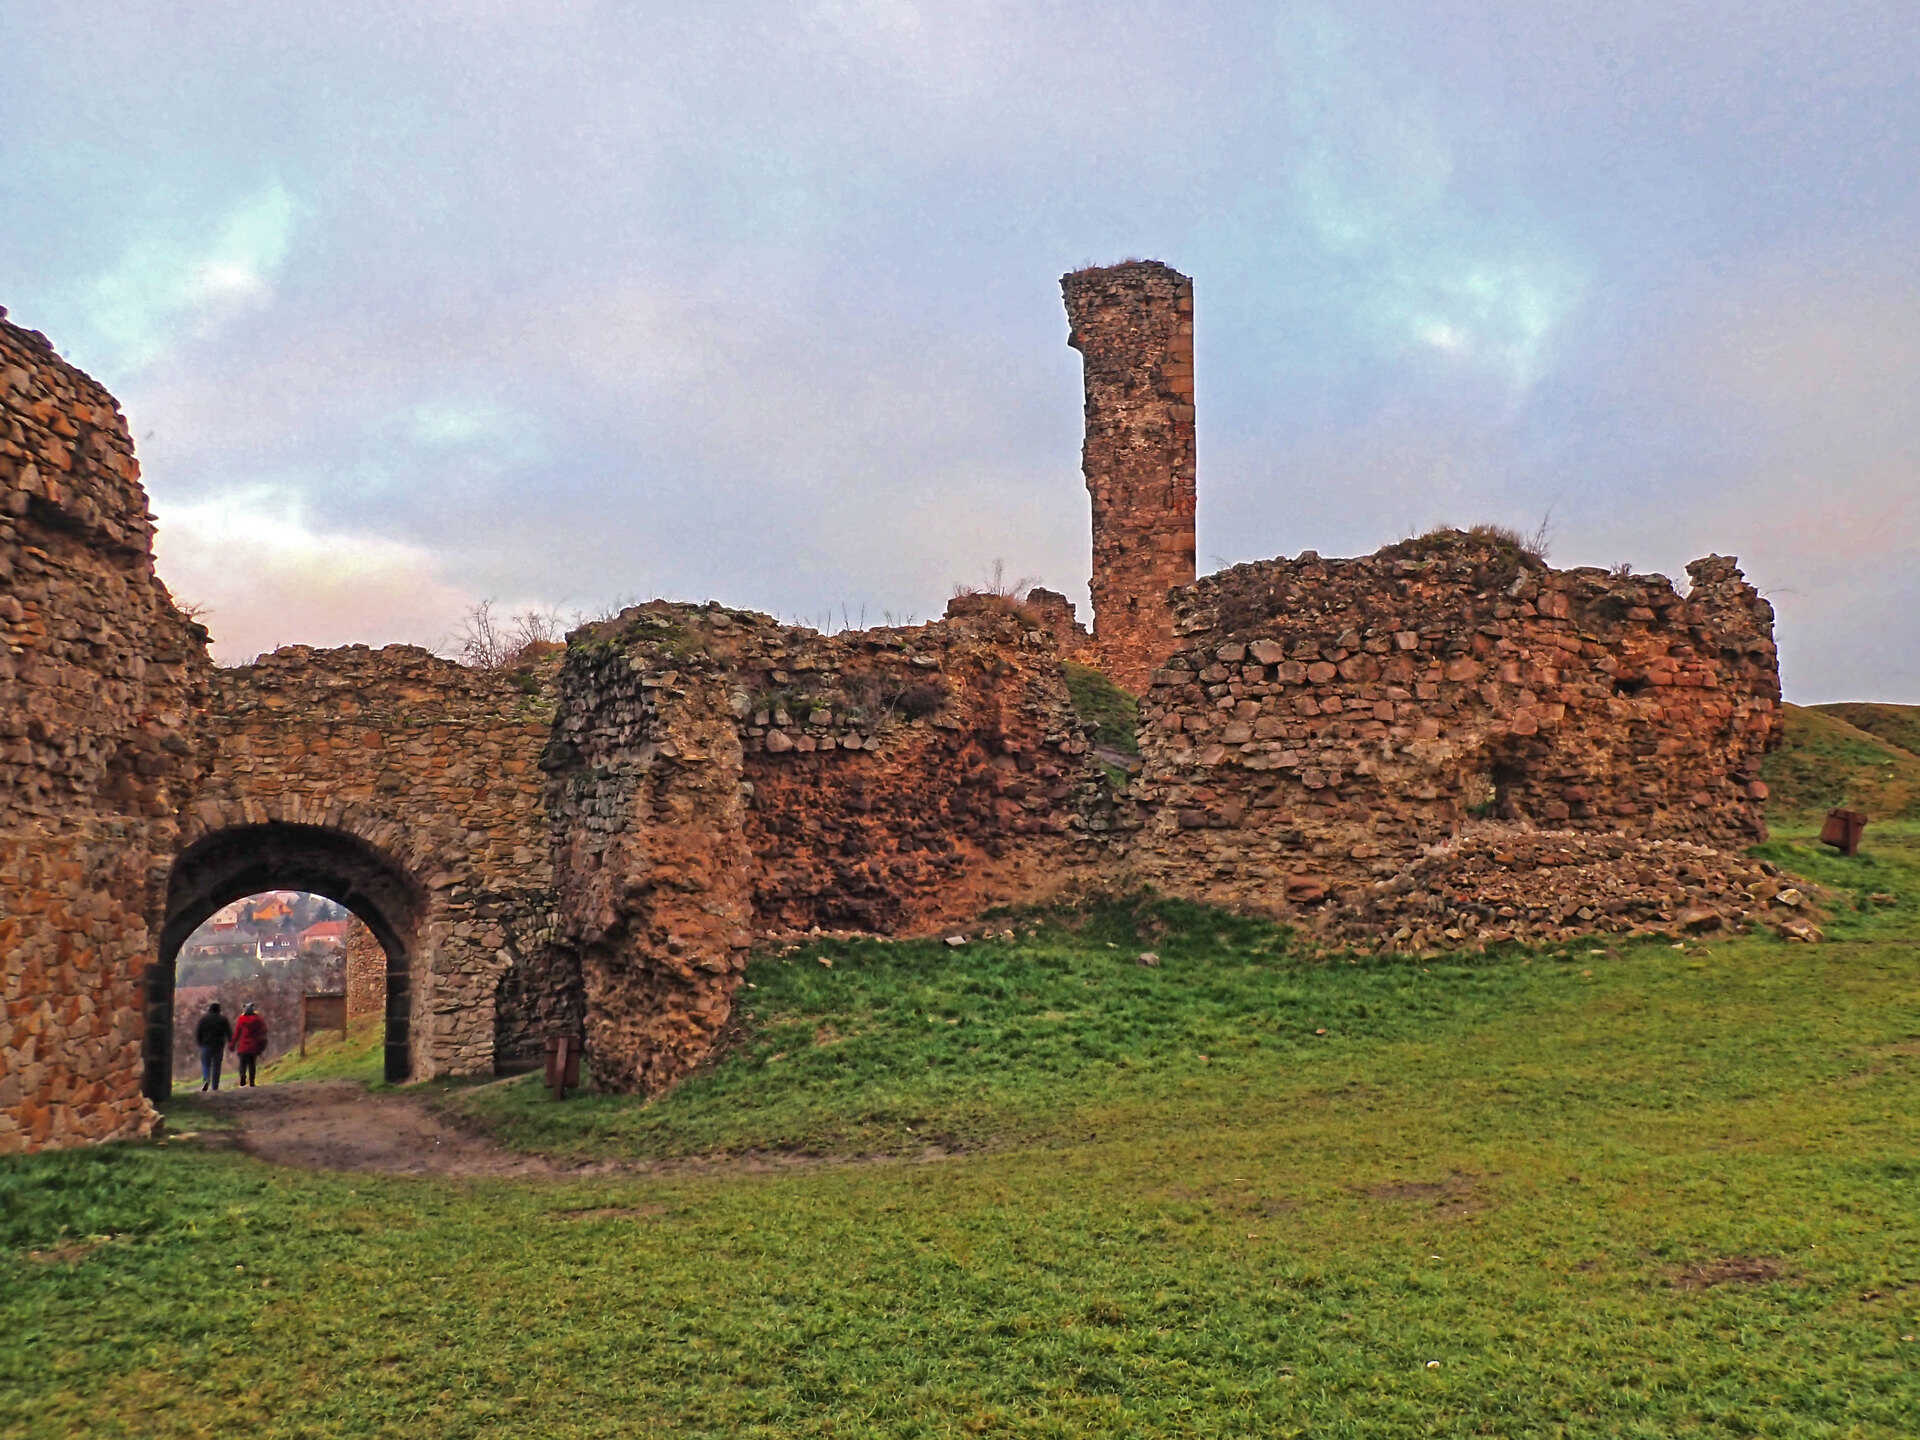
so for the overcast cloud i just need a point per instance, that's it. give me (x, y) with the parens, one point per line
(418, 303)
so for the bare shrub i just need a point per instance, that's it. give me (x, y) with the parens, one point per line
(488, 641)
(1538, 544)
(1535, 546)
(998, 584)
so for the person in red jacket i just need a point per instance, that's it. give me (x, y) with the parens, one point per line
(249, 1039)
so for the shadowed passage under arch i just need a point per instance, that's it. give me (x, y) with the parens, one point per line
(243, 860)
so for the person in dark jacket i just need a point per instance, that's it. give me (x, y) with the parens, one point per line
(249, 1040)
(213, 1034)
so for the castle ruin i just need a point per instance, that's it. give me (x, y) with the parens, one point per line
(1445, 744)
(1133, 327)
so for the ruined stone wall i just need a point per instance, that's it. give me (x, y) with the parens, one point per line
(366, 967)
(414, 782)
(1443, 744)
(1326, 722)
(1133, 325)
(646, 806)
(1054, 615)
(99, 673)
(901, 778)
(719, 775)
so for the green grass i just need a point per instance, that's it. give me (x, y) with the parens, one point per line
(1876, 893)
(1827, 762)
(1521, 1167)
(1898, 725)
(359, 1055)
(1111, 711)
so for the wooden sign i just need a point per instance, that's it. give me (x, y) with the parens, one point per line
(322, 1012)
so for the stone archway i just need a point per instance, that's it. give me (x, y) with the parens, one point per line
(241, 860)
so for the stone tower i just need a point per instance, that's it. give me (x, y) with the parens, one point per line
(100, 675)
(1133, 327)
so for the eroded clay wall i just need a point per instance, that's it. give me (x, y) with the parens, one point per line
(1326, 722)
(99, 673)
(435, 765)
(720, 776)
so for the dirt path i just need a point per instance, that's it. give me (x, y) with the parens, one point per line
(340, 1125)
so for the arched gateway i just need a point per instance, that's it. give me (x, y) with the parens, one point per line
(407, 788)
(242, 860)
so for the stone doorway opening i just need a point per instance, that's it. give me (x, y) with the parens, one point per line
(244, 860)
(268, 950)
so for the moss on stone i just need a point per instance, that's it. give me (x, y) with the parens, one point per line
(1110, 712)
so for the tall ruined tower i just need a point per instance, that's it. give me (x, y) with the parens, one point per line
(1133, 326)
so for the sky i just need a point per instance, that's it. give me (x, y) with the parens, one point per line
(562, 306)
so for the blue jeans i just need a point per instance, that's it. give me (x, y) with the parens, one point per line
(210, 1057)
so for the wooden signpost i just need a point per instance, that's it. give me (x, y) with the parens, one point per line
(563, 1065)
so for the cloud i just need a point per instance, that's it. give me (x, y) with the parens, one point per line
(1427, 271)
(263, 575)
(168, 286)
(609, 299)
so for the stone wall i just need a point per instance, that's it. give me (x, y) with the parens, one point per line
(1443, 744)
(650, 861)
(1133, 326)
(407, 787)
(99, 676)
(366, 967)
(1325, 723)
(1054, 615)
(902, 778)
(717, 775)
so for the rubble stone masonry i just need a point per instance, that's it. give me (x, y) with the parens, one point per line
(718, 775)
(100, 676)
(407, 787)
(1133, 326)
(366, 967)
(1326, 723)
(1444, 744)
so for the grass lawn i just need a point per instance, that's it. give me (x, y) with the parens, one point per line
(1598, 1191)
(1828, 761)
(358, 1055)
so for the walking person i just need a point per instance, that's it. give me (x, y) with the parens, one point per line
(249, 1042)
(213, 1034)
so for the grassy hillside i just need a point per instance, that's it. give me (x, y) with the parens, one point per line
(1826, 761)
(359, 1055)
(1898, 725)
(1114, 714)
(1593, 1192)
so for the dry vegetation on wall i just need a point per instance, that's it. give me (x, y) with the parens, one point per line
(1536, 545)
